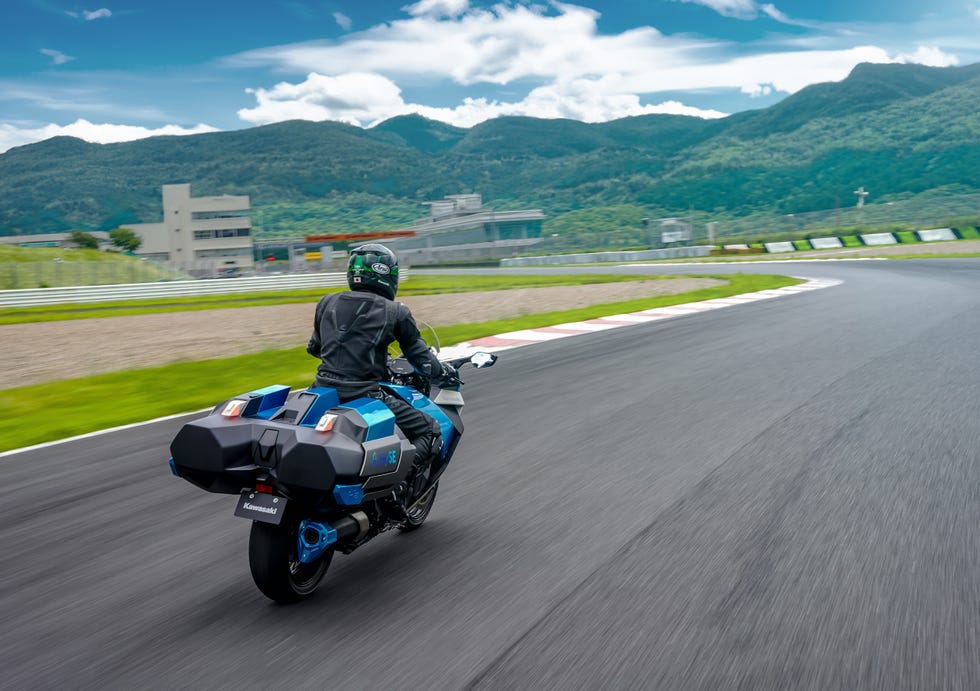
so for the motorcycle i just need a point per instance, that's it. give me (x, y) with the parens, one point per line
(316, 476)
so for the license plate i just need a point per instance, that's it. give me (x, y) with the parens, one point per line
(259, 506)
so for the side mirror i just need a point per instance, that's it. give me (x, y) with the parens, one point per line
(481, 359)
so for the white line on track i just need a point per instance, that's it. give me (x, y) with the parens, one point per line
(101, 432)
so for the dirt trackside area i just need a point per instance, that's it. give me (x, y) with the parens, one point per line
(46, 351)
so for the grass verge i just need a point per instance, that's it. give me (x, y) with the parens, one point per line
(60, 409)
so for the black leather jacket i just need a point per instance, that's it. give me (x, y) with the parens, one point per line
(351, 335)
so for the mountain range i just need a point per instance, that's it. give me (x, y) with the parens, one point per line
(898, 130)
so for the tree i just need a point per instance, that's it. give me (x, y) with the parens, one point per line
(125, 239)
(86, 241)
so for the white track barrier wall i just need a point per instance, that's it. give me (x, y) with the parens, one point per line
(774, 247)
(826, 243)
(879, 239)
(936, 234)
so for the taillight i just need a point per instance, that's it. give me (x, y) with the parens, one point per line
(326, 423)
(265, 489)
(234, 408)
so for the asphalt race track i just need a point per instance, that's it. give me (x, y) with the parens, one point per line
(780, 495)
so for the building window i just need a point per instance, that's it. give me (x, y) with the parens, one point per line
(203, 234)
(203, 215)
(229, 252)
(232, 233)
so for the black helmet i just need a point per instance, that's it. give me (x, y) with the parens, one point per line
(373, 267)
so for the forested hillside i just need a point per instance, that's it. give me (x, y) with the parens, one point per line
(901, 130)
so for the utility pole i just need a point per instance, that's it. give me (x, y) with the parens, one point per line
(690, 223)
(861, 194)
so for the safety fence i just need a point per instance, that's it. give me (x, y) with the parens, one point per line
(51, 274)
(599, 257)
(907, 214)
(169, 289)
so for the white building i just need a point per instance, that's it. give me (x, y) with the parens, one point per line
(459, 228)
(202, 236)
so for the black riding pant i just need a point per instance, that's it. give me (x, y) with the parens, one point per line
(420, 428)
(412, 421)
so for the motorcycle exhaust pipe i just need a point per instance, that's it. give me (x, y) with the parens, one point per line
(354, 526)
(316, 537)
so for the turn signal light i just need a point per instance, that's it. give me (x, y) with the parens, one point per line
(234, 408)
(326, 423)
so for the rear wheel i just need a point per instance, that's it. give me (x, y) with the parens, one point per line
(276, 568)
(415, 516)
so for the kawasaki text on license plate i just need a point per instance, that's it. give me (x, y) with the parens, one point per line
(259, 506)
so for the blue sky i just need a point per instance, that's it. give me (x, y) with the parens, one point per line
(128, 69)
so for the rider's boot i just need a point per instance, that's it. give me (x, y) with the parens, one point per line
(427, 449)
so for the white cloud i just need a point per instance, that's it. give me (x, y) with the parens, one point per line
(57, 57)
(96, 14)
(354, 98)
(367, 99)
(773, 12)
(438, 8)
(342, 20)
(496, 46)
(930, 55)
(562, 64)
(757, 90)
(104, 133)
(741, 9)
(790, 72)
(749, 9)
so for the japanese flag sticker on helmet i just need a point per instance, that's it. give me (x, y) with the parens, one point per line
(380, 268)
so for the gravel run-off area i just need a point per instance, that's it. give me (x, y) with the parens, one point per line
(47, 351)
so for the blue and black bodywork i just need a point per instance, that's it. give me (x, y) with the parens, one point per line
(271, 446)
(274, 436)
(315, 475)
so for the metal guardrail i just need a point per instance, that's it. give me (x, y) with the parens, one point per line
(33, 297)
(613, 256)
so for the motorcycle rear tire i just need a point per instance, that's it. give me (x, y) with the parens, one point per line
(416, 517)
(275, 566)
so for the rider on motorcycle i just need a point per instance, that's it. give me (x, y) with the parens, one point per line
(351, 334)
